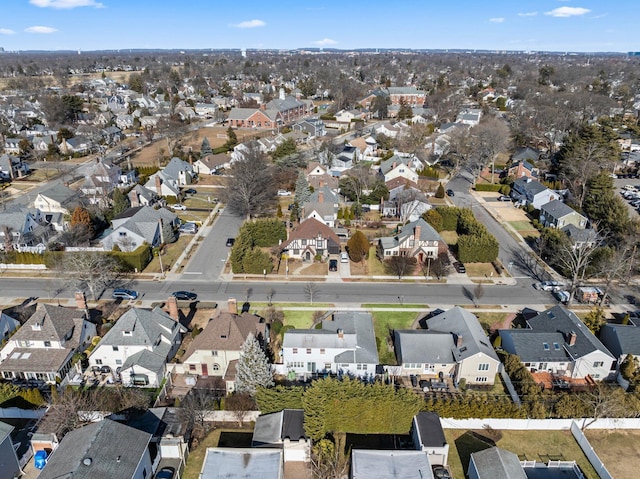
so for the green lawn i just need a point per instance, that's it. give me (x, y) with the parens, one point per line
(383, 322)
(490, 320)
(395, 306)
(196, 455)
(449, 237)
(374, 265)
(298, 319)
(535, 445)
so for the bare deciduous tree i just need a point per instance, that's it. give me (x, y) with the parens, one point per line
(92, 270)
(240, 404)
(311, 291)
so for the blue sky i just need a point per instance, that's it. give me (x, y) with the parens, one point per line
(559, 25)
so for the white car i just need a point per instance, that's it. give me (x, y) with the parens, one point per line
(550, 286)
(284, 193)
(179, 207)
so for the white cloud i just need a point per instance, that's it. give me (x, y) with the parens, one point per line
(325, 41)
(497, 20)
(65, 4)
(527, 14)
(6, 31)
(567, 12)
(250, 24)
(40, 29)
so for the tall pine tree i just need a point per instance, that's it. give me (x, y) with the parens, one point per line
(205, 148)
(302, 193)
(253, 368)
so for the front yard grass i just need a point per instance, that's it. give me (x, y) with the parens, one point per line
(535, 445)
(298, 319)
(480, 269)
(449, 237)
(375, 266)
(383, 323)
(491, 321)
(170, 255)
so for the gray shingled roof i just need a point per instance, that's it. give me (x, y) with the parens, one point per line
(112, 450)
(60, 193)
(145, 327)
(461, 322)
(557, 209)
(422, 346)
(621, 339)
(529, 345)
(143, 220)
(289, 103)
(48, 323)
(397, 464)
(528, 185)
(242, 463)
(175, 167)
(496, 463)
(273, 428)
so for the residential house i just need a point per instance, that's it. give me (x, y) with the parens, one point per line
(211, 164)
(581, 237)
(428, 436)
(453, 345)
(521, 169)
(620, 340)
(311, 238)
(167, 182)
(387, 129)
(417, 239)
(216, 350)
(102, 450)
(58, 199)
(77, 144)
(408, 94)
(8, 457)
(112, 135)
(100, 181)
(366, 146)
(399, 186)
(469, 116)
(411, 207)
(242, 463)
(525, 154)
(41, 144)
(283, 430)
(345, 344)
(12, 146)
(124, 121)
(319, 176)
(12, 167)
(23, 225)
(149, 121)
(141, 225)
(557, 341)
(44, 346)
(139, 345)
(556, 214)
(141, 196)
(254, 118)
(206, 110)
(313, 127)
(7, 326)
(531, 192)
(393, 464)
(323, 206)
(398, 167)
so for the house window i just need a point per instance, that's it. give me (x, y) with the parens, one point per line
(47, 344)
(118, 361)
(308, 350)
(98, 361)
(216, 367)
(598, 364)
(545, 346)
(321, 350)
(364, 367)
(327, 365)
(295, 350)
(359, 367)
(214, 353)
(122, 233)
(304, 242)
(483, 367)
(115, 348)
(481, 380)
(192, 367)
(556, 346)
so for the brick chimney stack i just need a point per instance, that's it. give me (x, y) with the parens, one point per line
(158, 186)
(416, 233)
(81, 302)
(572, 338)
(320, 197)
(458, 340)
(172, 304)
(232, 305)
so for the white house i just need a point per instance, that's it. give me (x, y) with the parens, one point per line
(139, 345)
(345, 344)
(142, 224)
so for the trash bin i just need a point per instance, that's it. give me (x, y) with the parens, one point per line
(40, 459)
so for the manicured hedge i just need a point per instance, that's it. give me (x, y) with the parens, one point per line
(137, 259)
(488, 187)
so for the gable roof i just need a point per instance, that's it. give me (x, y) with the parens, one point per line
(175, 167)
(143, 220)
(227, 332)
(50, 322)
(423, 346)
(464, 324)
(529, 185)
(621, 339)
(60, 194)
(557, 209)
(111, 450)
(273, 428)
(429, 429)
(496, 463)
(525, 153)
(311, 228)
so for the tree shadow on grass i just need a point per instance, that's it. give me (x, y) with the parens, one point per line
(469, 443)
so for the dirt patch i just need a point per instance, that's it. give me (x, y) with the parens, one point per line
(612, 446)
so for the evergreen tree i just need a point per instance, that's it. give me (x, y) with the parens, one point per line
(232, 139)
(440, 191)
(205, 148)
(302, 193)
(358, 246)
(253, 370)
(120, 202)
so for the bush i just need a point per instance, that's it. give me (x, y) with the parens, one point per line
(358, 247)
(440, 191)
(449, 217)
(477, 249)
(488, 187)
(137, 259)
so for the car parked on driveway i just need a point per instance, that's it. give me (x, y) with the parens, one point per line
(333, 265)
(504, 198)
(122, 293)
(166, 473)
(450, 192)
(178, 207)
(185, 295)
(459, 267)
(190, 228)
(190, 191)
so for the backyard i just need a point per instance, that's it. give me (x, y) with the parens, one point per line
(213, 439)
(612, 446)
(530, 445)
(383, 323)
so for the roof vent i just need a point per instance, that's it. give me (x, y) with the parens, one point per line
(87, 461)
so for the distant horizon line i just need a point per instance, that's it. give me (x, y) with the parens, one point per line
(324, 50)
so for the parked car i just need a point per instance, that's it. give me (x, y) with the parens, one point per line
(284, 193)
(190, 191)
(166, 473)
(190, 228)
(450, 192)
(440, 472)
(459, 267)
(124, 294)
(230, 241)
(562, 296)
(178, 207)
(549, 286)
(333, 265)
(504, 198)
(344, 258)
(185, 295)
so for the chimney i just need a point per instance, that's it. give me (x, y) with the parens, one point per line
(320, 197)
(393, 165)
(458, 340)
(416, 234)
(282, 96)
(340, 333)
(158, 186)
(232, 305)
(81, 302)
(572, 338)
(161, 231)
(172, 304)
(263, 106)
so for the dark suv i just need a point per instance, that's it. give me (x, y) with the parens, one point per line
(459, 267)
(333, 265)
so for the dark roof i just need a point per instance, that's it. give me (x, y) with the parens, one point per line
(312, 228)
(271, 429)
(526, 153)
(529, 185)
(496, 463)
(429, 429)
(293, 424)
(621, 339)
(557, 209)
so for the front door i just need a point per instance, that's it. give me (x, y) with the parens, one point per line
(311, 367)
(205, 370)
